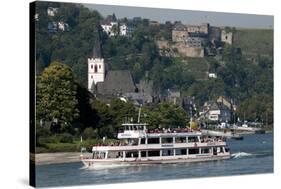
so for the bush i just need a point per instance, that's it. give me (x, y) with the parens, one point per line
(90, 133)
(66, 138)
(50, 139)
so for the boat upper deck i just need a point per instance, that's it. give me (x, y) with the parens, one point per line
(140, 131)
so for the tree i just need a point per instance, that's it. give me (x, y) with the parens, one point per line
(56, 93)
(257, 107)
(165, 115)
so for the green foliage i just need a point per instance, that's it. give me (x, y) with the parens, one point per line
(111, 117)
(56, 94)
(90, 133)
(257, 108)
(164, 115)
(66, 138)
(206, 90)
(121, 112)
(255, 42)
(48, 139)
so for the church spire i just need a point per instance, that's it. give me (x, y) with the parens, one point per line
(97, 48)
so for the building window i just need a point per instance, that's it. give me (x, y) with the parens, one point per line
(91, 76)
(99, 66)
(91, 66)
(96, 69)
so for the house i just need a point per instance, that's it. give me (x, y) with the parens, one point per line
(63, 26)
(125, 30)
(212, 75)
(216, 112)
(228, 103)
(51, 11)
(174, 96)
(108, 28)
(188, 104)
(110, 25)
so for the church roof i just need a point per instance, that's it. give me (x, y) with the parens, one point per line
(116, 82)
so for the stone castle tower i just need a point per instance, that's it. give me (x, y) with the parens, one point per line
(96, 67)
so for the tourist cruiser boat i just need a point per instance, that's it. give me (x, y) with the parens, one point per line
(138, 145)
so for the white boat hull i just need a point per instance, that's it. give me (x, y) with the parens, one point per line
(113, 163)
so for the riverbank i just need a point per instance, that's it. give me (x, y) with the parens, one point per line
(60, 157)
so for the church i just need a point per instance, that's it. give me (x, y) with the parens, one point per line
(103, 82)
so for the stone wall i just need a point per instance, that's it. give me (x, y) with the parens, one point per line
(181, 48)
(179, 36)
(226, 37)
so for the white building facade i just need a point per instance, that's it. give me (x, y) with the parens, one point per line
(51, 11)
(125, 30)
(96, 71)
(108, 28)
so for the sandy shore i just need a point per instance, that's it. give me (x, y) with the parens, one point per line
(53, 158)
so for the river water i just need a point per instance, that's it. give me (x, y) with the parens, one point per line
(253, 155)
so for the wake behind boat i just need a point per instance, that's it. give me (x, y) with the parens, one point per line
(138, 145)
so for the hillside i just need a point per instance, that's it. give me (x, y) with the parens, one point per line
(254, 41)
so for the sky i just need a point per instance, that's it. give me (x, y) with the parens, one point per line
(187, 16)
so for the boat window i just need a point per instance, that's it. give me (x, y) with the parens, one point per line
(133, 154)
(99, 155)
(193, 139)
(94, 155)
(143, 153)
(167, 140)
(220, 149)
(153, 140)
(226, 149)
(205, 150)
(180, 139)
(142, 140)
(153, 153)
(167, 152)
(114, 155)
(193, 151)
(180, 151)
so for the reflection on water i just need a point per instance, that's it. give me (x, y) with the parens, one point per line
(252, 155)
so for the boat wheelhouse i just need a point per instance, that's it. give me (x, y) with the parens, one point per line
(139, 145)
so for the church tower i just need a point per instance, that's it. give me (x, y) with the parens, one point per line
(96, 67)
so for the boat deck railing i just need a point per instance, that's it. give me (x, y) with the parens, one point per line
(177, 130)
